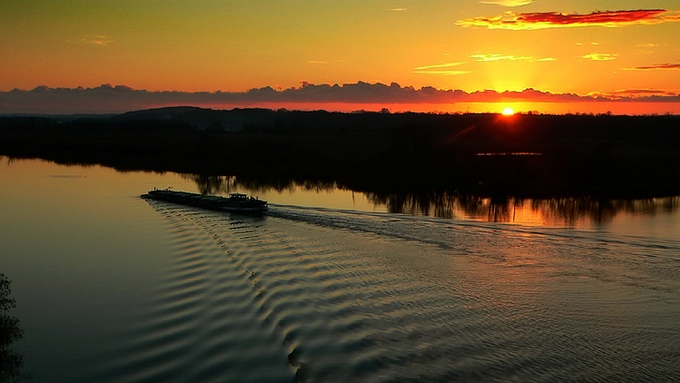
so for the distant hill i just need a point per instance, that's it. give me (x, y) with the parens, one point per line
(203, 118)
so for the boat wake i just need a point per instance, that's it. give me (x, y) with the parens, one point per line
(444, 232)
(322, 295)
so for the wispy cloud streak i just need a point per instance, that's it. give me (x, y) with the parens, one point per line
(654, 95)
(97, 40)
(438, 66)
(440, 69)
(498, 57)
(442, 72)
(656, 67)
(542, 20)
(642, 92)
(600, 56)
(508, 3)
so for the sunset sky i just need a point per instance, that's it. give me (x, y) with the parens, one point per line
(601, 50)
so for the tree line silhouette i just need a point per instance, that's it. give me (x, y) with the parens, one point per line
(527, 155)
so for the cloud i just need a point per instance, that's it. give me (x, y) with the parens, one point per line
(654, 95)
(440, 69)
(508, 3)
(317, 62)
(447, 65)
(442, 72)
(98, 40)
(546, 59)
(399, 9)
(542, 20)
(642, 92)
(600, 56)
(497, 57)
(656, 67)
(118, 99)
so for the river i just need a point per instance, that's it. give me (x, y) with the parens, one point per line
(332, 285)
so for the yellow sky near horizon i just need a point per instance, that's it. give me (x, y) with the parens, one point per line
(236, 45)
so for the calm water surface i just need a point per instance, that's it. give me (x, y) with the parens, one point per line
(329, 287)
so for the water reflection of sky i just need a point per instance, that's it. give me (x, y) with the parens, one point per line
(27, 179)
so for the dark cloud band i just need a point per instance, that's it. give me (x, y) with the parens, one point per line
(116, 99)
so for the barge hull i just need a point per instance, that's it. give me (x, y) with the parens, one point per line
(236, 203)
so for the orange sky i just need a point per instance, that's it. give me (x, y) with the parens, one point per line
(600, 48)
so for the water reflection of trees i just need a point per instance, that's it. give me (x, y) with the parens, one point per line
(10, 361)
(226, 184)
(566, 210)
(557, 210)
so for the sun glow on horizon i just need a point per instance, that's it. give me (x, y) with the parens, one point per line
(508, 111)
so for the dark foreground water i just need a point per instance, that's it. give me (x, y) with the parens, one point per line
(113, 288)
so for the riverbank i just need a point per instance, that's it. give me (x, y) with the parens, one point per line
(487, 154)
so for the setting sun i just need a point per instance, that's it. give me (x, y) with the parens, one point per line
(508, 112)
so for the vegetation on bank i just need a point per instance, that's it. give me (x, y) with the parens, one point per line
(521, 155)
(10, 361)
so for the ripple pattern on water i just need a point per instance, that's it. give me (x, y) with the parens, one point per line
(315, 295)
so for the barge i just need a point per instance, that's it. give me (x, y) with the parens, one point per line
(236, 202)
